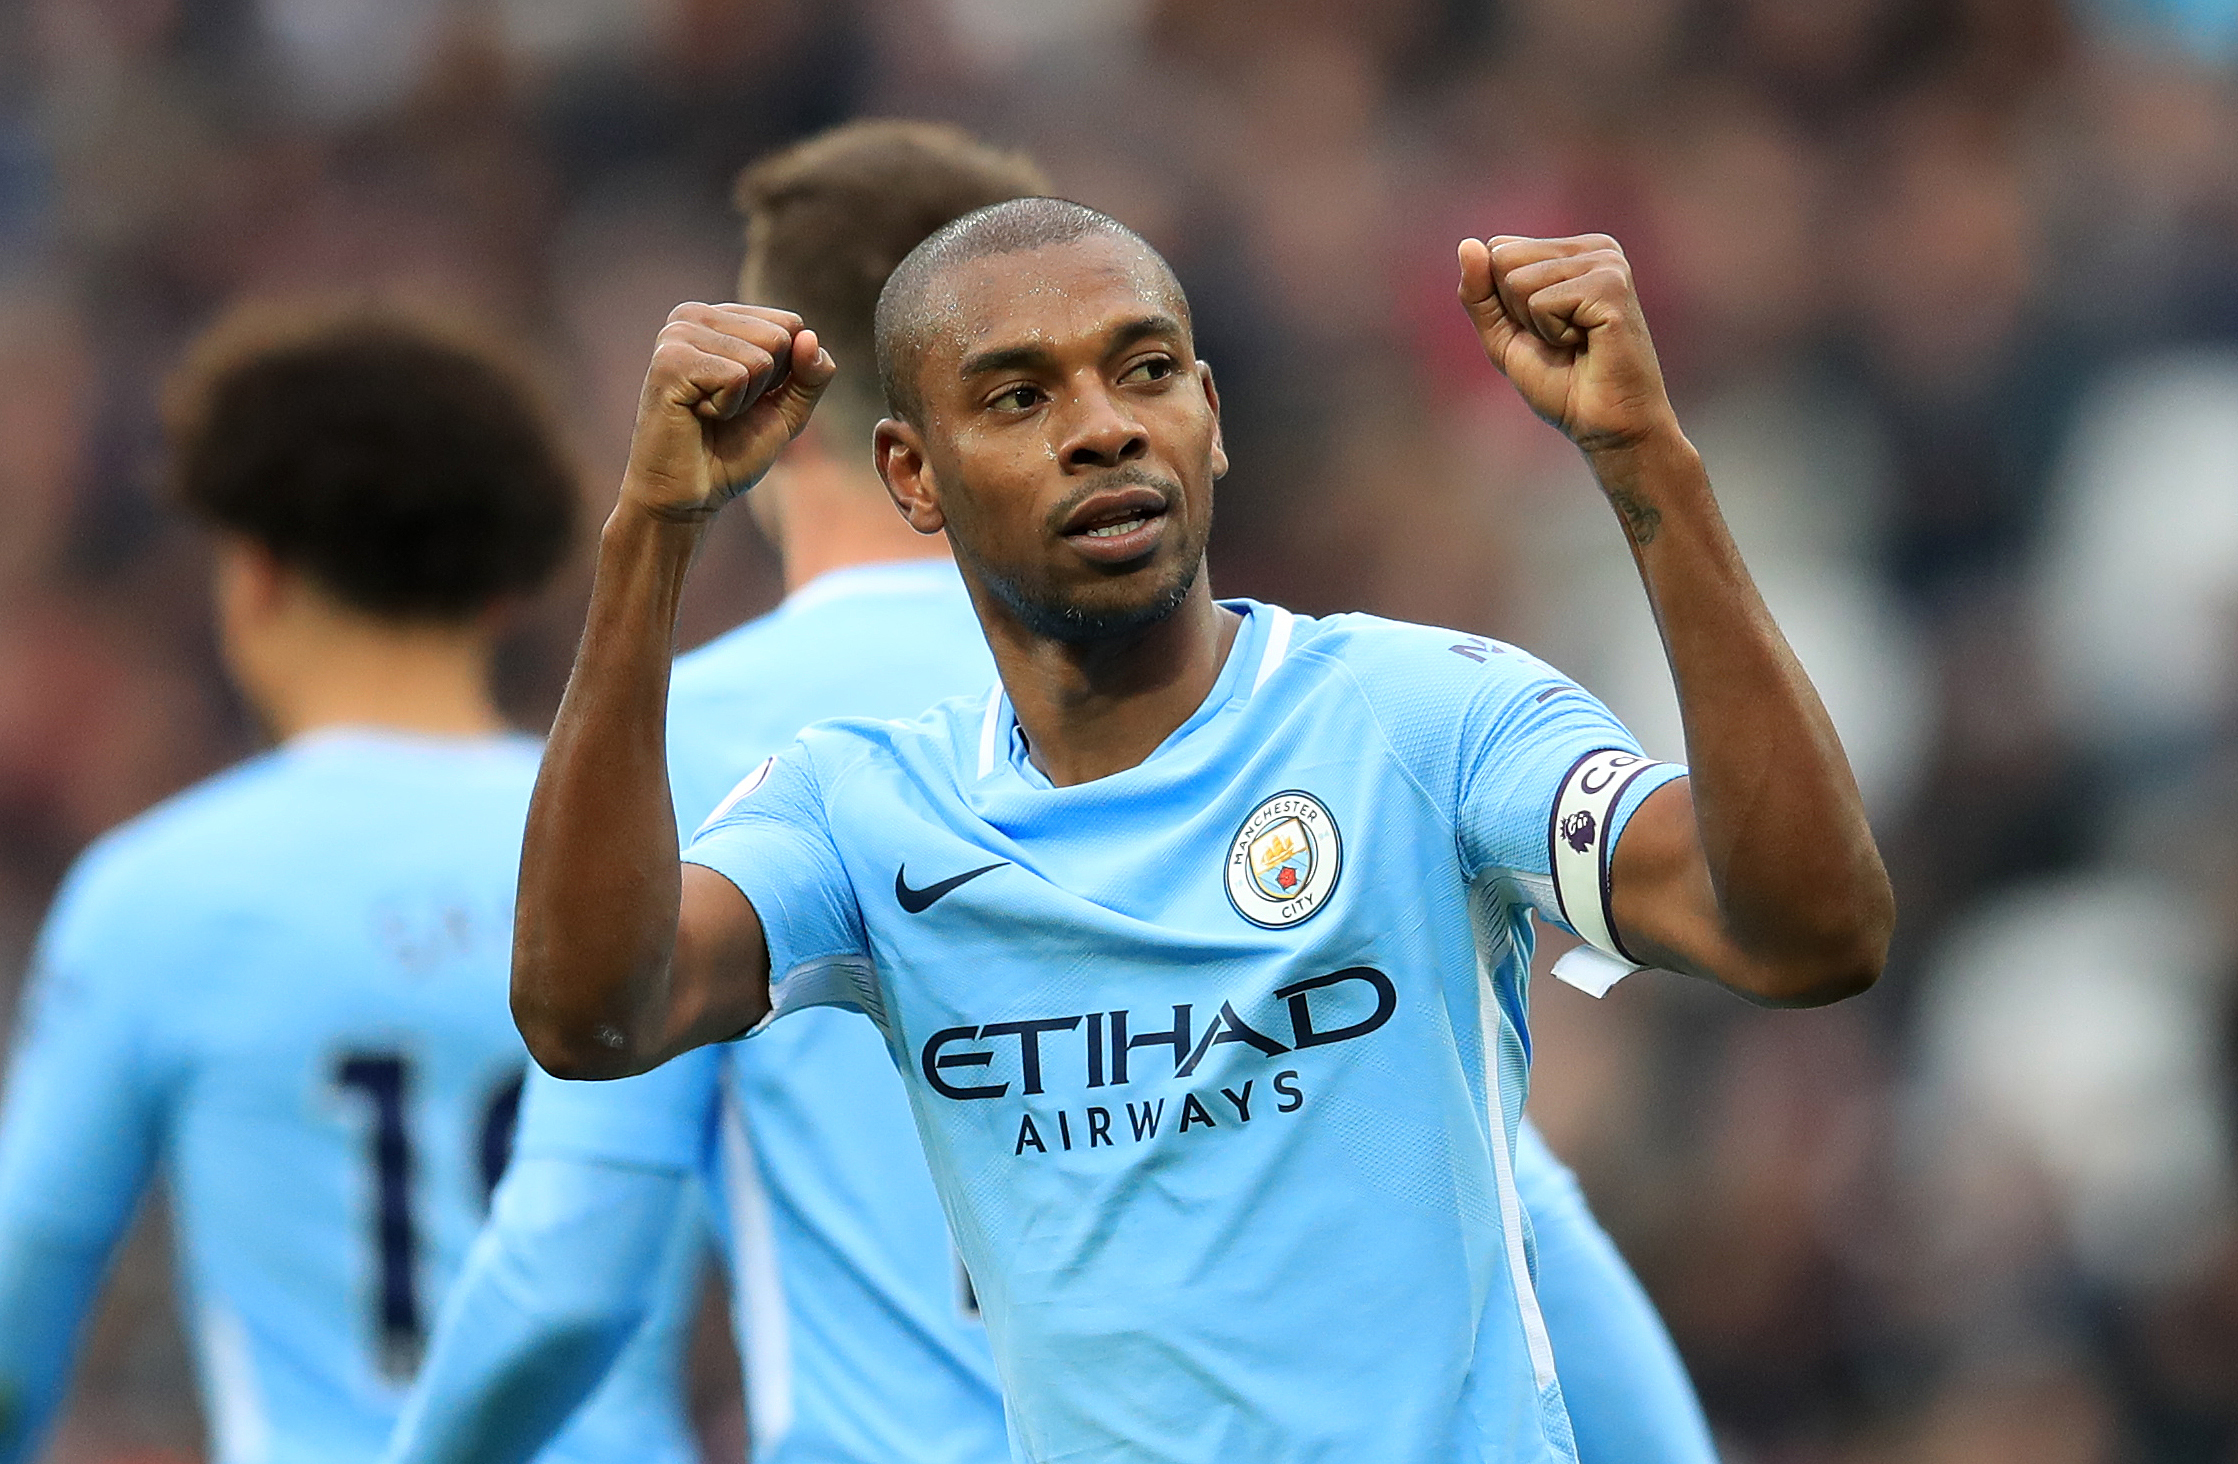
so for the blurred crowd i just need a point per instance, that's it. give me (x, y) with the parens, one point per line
(1947, 292)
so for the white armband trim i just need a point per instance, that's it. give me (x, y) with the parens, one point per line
(1578, 846)
(1590, 971)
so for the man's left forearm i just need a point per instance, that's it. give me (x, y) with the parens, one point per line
(1798, 885)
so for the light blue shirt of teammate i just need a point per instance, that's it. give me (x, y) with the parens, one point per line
(284, 991)
(1219, 1061)
(858, 1330)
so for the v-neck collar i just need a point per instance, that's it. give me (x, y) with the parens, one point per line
(1260, 644)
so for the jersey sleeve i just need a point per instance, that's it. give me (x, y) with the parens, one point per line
(663, 1119)
(772, 839)
(1626, 1389)
(578, 1261)
(1548, 779)
(79, 1133)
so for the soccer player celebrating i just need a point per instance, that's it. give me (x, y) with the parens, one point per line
(285, 987)
(1201, 942)
(853, 1316)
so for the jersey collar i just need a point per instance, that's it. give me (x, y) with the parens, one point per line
(1260, 645)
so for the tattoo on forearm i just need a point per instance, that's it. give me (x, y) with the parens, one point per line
(1641, 519)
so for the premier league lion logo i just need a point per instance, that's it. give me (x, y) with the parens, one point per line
(1577, 831)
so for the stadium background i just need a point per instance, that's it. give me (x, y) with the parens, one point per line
(1948, 293)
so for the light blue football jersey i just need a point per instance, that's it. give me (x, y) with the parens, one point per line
(859, 1334)
(286, 990)
(1219, 1061)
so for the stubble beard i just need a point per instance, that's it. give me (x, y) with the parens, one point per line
(1048, 611)
(1053, 616)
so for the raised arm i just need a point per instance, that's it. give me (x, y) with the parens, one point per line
(1759, 871)
(623, 957)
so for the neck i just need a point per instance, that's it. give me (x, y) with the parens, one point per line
(1091, 710)
(825, 517)
(430, 680)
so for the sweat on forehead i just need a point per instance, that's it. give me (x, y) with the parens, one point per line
(912, 298)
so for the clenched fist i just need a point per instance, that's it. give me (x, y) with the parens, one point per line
(1561, 319)
(729, 386)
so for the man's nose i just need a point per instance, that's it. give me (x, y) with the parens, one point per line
(1101, 433)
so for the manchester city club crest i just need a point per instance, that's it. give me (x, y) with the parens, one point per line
(1284, 861)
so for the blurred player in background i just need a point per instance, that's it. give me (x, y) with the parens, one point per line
(285, 988)
(854, 1318)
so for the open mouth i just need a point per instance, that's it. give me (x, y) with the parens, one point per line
(1117, 524)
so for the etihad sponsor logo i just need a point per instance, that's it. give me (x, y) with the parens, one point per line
(1099, 1049)
(1098, 1126)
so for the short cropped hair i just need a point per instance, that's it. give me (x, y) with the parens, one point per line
(1011, 227)
(407, 471)
(828, 219)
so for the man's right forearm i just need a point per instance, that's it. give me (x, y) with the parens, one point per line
(595, 930)
(599, 990)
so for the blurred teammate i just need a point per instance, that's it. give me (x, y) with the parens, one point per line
(856, 1290)
(856, 1325)
(284, 989)
(1202, 939)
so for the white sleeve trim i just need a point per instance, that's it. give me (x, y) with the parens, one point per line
(1579, 849)
(745, 788)
(843, 981)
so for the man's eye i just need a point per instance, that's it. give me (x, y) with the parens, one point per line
(1157, 368)
(1016, 398)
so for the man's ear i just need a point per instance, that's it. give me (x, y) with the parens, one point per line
(1212, 398)
(899, 452)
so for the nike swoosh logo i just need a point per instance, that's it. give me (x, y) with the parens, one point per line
(917, 902)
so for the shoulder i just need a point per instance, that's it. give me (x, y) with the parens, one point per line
(1409, 670)
(174, 856)
(178, 833)
(1442, 702)
(508, 768)
(886, 655)
(714, 667)
(842, 754)
(935, 742)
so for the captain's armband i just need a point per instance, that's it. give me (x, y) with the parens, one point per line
(1580, 843)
